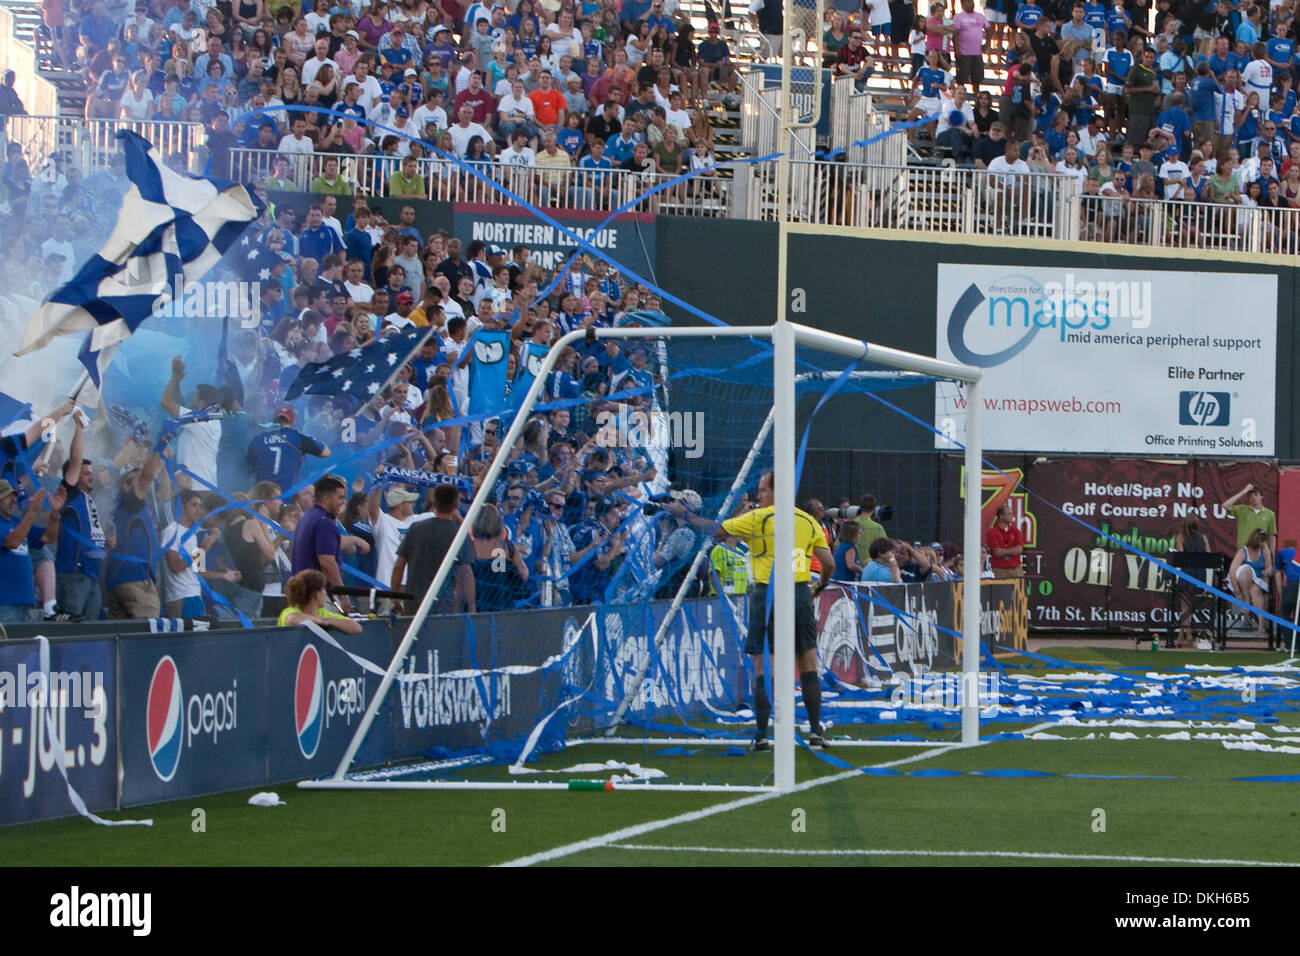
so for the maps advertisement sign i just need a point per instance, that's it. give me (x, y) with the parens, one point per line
(1110, 361)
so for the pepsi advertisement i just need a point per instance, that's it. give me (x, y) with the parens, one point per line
(194, 715)
(318, 695)
(65, 715)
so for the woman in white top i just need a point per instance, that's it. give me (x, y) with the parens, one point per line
(1070, 165)
(637, 44)
(137, 101)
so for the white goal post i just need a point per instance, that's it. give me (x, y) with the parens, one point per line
(786, 337)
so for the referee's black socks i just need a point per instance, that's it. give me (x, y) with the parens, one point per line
(762, 708)
(812, 699)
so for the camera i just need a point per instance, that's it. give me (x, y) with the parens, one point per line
(836, 513)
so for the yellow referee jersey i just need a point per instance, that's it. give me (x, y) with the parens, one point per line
(758, 528)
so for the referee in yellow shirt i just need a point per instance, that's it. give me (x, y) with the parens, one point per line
(758, 529)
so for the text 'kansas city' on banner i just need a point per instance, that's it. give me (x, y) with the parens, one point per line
(1111, 361)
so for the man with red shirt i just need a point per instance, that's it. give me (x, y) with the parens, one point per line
(1006, 545)
(481, 100)
(548, 102)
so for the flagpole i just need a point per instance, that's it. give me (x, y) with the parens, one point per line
(76, 389)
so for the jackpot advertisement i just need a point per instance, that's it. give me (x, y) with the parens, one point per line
(1110, 361)
(1068, 509)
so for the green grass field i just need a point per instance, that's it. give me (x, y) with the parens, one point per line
(1202, 814)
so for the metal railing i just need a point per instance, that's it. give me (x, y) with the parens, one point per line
(854, 119)
(38, 95)
(1166, 224)
(573, 188)
(90, 144)
(922, 199)
(760, 120)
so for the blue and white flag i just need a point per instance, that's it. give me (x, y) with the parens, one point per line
(171, 229)
(488, 366)
(531, 357)
(362, 373)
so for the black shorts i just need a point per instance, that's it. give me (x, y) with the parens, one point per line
(805, 627)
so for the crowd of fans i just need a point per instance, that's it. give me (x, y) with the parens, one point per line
(572, 520)
(1148, 106)
(547, 84)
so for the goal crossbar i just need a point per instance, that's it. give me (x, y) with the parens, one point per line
(785, 338)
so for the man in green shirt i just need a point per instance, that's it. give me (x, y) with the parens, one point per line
(406, 181)
(330, 181)
(1141, 85)
(280, 179)
(871, 529)
(1252, 515)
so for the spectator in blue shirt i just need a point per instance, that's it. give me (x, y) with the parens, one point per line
(317, 540)
(277, 454)
(96, 29)
(317, 240)
(18, 535)
(883, 567)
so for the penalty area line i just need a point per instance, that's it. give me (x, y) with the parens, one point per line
(632, 832)
(996, 854)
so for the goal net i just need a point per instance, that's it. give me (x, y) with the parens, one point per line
(634, 672)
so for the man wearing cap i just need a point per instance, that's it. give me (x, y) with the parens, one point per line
(276, 454)
(715, 60)
(390, 528)
(404, 305)
(398, 47)
(19, 534)
(440, 45)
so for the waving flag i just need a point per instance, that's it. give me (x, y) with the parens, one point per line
(169, 226)
(531, 356)
(362, 373)
(487, 370)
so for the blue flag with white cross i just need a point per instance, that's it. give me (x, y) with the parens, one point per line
(171, 228)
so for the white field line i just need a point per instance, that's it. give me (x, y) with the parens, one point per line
(632, 832)
(998, 854)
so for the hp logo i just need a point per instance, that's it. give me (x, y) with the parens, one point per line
(1203, 408)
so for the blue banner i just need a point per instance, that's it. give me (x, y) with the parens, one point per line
(193, 715)
(69, 714)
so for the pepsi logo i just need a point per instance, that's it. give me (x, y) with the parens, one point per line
(309, 701)
(166, 730)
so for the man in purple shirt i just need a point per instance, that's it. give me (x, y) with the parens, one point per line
(969, 29)
(316, 540)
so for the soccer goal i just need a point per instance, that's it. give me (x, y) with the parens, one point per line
(647, 669)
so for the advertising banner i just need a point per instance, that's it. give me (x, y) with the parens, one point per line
(317, 697)
(68, 714)
(1111, 361)
(1075, 576)
(193, 715)
(628, 239)
(910, 627)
